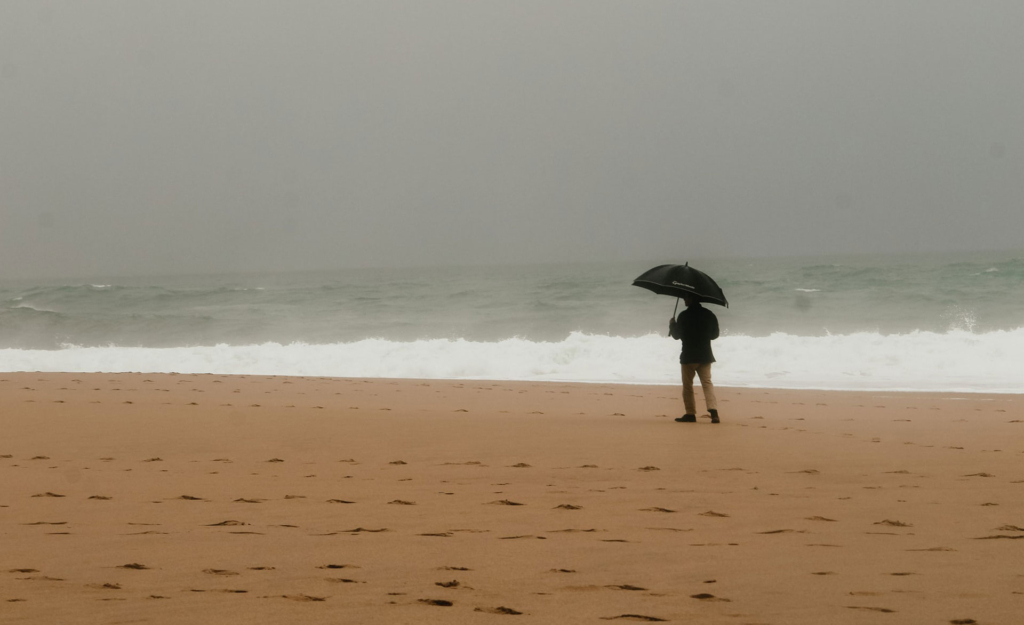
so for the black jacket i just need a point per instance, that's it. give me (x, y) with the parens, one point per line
(696, 327)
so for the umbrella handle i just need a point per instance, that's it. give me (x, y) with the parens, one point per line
(676, 310)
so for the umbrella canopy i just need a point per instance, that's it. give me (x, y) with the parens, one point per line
(680, 280)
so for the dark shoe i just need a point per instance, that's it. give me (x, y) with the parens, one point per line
(687, 418)
(714, 416)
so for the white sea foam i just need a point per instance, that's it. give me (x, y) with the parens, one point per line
(35, 308)
(808, 290)
(923, 361)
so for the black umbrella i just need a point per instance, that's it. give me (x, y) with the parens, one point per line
(680, 280)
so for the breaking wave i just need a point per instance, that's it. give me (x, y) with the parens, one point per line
(954, 361)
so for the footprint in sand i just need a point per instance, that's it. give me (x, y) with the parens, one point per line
(135, 566)
(712, 513)
(567, 506)
(625, 587)
(634, 617)
(504, 502)
(107, 586)
(708, 597)
(498, 610)
(47, 494)
(219, 572)
(438, 602)
(648, 468)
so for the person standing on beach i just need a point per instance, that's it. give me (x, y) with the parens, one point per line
(696, 327)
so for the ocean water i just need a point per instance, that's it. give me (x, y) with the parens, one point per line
(941, 322)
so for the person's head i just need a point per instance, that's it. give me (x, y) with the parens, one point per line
(689, 299)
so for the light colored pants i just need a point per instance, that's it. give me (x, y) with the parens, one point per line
(703, 371)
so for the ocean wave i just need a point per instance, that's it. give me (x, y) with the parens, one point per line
(32, 308)
(955, 361)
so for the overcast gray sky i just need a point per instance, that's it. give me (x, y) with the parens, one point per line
(232, 135)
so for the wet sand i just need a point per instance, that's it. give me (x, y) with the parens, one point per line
(239, 499)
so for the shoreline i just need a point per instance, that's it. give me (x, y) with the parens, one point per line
(280, 498)
(955, 391)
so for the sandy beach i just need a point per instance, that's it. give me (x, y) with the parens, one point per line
(151, 498)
